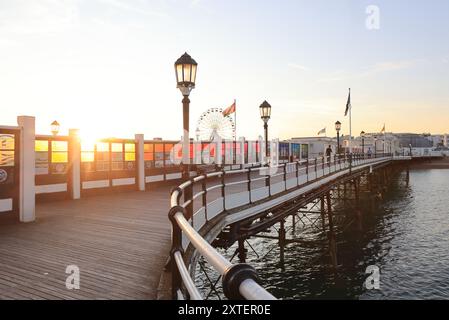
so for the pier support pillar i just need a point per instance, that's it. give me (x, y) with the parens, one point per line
(293, 224)
(331, 233)
(323, 210)
(282, 241)
(407, 177)
(242, 251)
(358, 212)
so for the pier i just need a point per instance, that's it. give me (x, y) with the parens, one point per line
(120, 212)
(251, 208)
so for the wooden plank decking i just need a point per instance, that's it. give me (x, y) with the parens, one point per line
(120, 242)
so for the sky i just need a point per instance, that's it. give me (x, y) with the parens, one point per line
(106, 66)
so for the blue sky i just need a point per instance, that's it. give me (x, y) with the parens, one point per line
(106, 66)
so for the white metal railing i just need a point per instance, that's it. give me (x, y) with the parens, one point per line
(239, 280)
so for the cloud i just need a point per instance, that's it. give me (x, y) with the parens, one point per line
(38, 16)
(46, 17)
(390, 66)
(298, 66)
(132, 7)
(378, 68)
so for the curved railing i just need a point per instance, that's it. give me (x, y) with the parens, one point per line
(240, 281)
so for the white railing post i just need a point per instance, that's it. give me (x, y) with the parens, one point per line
(27, 168)
(218, 151)
(262, 155)
(242, 151)
(140, 162)
(274, 152)
(75, 164)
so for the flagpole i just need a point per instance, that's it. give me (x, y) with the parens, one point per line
(350, 125)
(235, 130)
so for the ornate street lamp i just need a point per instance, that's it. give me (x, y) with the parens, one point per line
(338, 128)
(185, 69)
(55, 128)
(362, 134)
(265, 114)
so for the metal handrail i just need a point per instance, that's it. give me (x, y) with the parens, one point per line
(239, 280)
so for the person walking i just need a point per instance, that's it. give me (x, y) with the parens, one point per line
(328, 154)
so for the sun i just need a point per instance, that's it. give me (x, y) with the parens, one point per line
(88, 137)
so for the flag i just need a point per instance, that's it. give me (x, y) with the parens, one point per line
(383, 129)
(322, 131)
(229, 110)
(348, 103)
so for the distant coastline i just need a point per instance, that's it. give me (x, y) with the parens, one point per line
(442, 163)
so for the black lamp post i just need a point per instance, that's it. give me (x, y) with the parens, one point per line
(265, 114)
(54, 128)
(362, 134)
(338, 128)
(185, 68)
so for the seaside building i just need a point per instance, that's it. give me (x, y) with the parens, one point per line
(317, 145)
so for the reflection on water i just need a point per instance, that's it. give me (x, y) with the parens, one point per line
(407, 237)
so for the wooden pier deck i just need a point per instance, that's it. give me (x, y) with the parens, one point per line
(120, 242)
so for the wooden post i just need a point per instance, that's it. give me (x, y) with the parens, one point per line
(74, 164)
(140, 162)
(27, 169)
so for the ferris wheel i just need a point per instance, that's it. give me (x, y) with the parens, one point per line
(212, 123)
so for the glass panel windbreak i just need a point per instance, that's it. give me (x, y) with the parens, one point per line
(6, 158)
(59, 157)
(168, 154)
(148, 156)
(59, 152)
(117, 156)
(130, 155)
(87, 154)
(7, 142)
(41, 148)
(102, 156)
(7, 150)
(159, 155)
